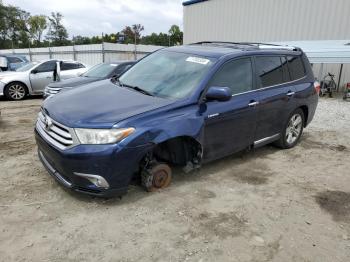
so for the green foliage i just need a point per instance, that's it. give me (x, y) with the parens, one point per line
(176, 35)
(13, 26)
(37, 25)
(57, 33)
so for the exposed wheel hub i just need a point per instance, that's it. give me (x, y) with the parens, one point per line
(156, 177)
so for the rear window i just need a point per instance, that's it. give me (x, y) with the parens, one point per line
(269, 70)
(296, 67)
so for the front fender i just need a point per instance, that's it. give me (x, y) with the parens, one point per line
(159, 129)
(21, 79)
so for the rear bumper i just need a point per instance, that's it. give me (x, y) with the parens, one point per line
(312, 109)
(115, 164)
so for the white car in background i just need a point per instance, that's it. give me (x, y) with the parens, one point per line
(32, 78)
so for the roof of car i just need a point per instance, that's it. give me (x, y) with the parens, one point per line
(217, 49)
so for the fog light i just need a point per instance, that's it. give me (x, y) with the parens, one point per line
(98, 181)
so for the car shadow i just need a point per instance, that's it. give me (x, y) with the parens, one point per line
(32, 97)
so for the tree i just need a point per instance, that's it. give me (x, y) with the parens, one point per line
(57, 32)
(129, 36)
(13, 26)
(37, 25)
(137, 29)
(175, 35)
(81, 40)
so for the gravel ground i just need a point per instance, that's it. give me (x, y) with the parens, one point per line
(264, 205)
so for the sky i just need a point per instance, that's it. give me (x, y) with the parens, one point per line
(92, 17)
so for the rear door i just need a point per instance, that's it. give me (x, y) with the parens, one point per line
(71, 69)
(276, 97)
(230, 125)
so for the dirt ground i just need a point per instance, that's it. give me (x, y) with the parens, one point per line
(264, 205)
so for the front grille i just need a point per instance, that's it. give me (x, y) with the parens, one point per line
(52, 90)
(54, 132)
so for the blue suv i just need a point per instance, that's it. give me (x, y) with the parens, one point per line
(179, 106)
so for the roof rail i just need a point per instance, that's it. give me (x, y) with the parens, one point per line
(251, 44)
(220, 43)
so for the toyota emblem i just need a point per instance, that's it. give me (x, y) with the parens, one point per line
(48, 123)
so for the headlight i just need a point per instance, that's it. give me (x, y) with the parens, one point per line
(102, 136)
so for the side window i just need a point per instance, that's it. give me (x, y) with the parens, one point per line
(13, 60)
(286, 76)
(70, 66)
(121, 69)
(296, 67)
(48, 66)
(236, 74)
(269, 69)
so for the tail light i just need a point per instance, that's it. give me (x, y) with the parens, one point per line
(317, 87)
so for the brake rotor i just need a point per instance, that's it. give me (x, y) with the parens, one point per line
(157, 177)
(160, 178)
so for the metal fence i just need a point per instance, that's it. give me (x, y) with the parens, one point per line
(88, 54)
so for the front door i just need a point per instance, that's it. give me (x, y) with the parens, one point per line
(42, 75)
(230, 125)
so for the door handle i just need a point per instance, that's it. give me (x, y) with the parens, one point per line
(290, 93)
(253, 103)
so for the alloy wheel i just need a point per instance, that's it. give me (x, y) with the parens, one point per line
(17, 91)
(294, 128)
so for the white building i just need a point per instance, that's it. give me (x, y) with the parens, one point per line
(273, 21)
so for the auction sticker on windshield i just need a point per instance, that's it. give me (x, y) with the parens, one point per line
(197, 60)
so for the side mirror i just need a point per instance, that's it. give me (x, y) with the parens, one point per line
(116, 76)
(34, 71)
(218, 93)
(3, 62)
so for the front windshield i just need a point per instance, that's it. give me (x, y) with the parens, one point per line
(100, 70)
(167, 74)
(26, 67)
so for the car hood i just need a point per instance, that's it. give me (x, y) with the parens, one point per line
(73, 82)
(99, 105)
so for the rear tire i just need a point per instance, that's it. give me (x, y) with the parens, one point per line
(16, 91)
(292, 130)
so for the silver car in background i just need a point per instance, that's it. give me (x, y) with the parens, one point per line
(32, 78)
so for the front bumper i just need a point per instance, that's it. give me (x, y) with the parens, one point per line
(50, 91)
(2, 86)
(114, 163)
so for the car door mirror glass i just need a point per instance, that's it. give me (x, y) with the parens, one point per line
(218, 93)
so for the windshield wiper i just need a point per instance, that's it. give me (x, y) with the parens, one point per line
(136, 88)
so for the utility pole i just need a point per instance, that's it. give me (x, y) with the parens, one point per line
(103, 50)
(135, 51)
(30, 53)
